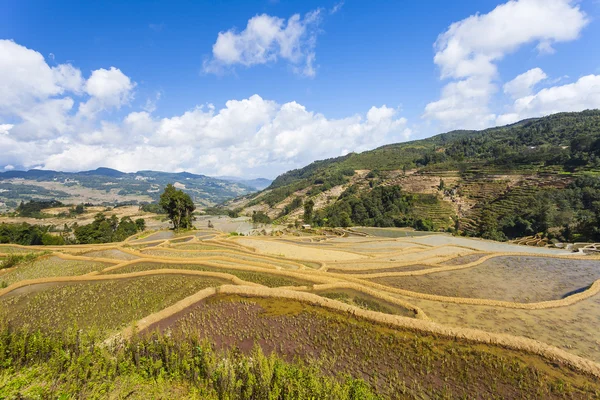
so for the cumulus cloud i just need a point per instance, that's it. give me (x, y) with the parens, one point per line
(44, 127)
(468, 52)
(266, 39)
(25, 78)
(108, 88)
(578, 96)
(523, 84)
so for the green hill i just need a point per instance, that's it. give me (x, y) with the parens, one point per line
(535, 176)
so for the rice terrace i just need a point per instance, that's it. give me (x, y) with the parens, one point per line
(299, 200)
(406, 315)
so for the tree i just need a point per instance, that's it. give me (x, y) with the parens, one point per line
(259, 217)
(140, 223)
(308, 211)
(179, 207)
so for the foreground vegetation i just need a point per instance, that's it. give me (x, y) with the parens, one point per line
(161, 319)
(78, 366)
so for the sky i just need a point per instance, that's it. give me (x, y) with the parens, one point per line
(255, 88)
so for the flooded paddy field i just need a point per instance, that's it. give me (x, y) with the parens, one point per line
(510, 278)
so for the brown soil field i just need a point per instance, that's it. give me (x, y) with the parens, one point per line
(263, 278)
(396, 362)
(110, 253)
(296, 251)
(573, 328)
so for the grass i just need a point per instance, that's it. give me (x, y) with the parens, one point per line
(161, 366)
(263, 278)
(98, 305)
(12, 260)
(365, 301)
(50, 267)
(397, 363)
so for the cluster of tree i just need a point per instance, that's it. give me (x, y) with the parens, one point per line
(567, 140)
(179, 207)
(29, 235)
(73, 211)
(152, 208)
(570, 214)
(33, 208)
(293, 205)
(384, 206)
(223, 211)
(259, 217)
(107, 230)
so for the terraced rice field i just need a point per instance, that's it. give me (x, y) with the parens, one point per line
(411, 315)
(52, 266)
(520, 279)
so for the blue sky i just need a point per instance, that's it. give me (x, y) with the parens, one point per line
(255, 88)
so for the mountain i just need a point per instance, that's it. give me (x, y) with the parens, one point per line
(539, 175)
(110, 186)
(258, 183)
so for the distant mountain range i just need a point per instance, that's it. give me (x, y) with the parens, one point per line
(106, 185)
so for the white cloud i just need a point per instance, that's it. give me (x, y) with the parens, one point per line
(578, 96)
(108, 88)
(5, 128)
(336, 7)
(267, 39)
(248, 137)
(469, 50)
(463, 104)
(523, 84)
(41, 125)
(25, 78)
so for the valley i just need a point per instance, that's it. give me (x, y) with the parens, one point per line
(407, 314)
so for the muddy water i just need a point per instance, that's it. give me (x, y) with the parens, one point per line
(509, 278)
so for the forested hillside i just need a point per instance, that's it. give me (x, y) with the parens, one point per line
(535, 176)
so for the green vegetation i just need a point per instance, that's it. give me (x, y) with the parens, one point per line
(263, 278)
(100, 306)
(383, 207)
(568, 214)
(179, 206)
(78, 366)
(26, 234)
(558, 155)
(33, 208)
(52, 266)
(12, 260)
(294, 205)
(152, 208)
(259, 217)
(107, 230)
